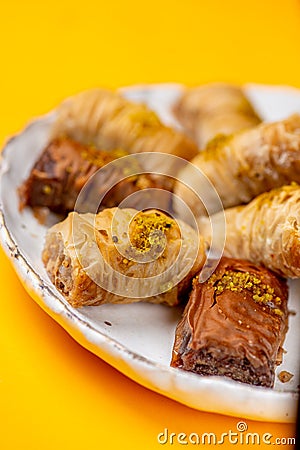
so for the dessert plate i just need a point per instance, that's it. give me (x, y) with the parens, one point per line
(137, 339)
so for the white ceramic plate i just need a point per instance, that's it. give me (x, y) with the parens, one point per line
(137, 338)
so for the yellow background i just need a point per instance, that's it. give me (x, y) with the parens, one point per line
(53, 393)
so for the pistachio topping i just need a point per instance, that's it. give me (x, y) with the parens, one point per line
(103, 157)
(149, 230)
(218, 141)
(144, 120)
(239, 281)
(47, 189)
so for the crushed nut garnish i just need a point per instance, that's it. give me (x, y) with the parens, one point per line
(285, 376)
(240, 281)
(149, 230)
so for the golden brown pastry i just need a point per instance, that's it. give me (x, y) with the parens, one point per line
(109, 121)
(65, 166)
(122, 256)
(247, 163)
(266, 231)
(234, 324)
(215, 108)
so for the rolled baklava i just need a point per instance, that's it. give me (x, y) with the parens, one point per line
(266, 231)
(246, 164)
(109, 121)
(213, 109)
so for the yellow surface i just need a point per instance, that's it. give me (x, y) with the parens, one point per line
(53, 393)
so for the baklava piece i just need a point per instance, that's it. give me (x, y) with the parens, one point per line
(122, 256)
(246, 163)
(234, 324)
(213, 109)
(109, 121)
(266, 231)
(65, 166)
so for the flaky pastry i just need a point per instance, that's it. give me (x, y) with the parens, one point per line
(215, 108)
(122, 256)
(247, 163)
(266, 231)
(108, 120)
